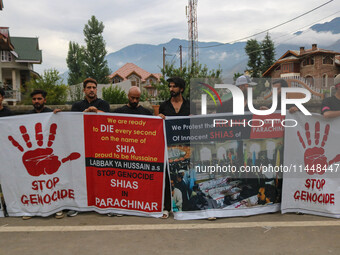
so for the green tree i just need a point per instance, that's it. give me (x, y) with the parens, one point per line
(236, 75)
(114, 95)
(268, 53)
(50, 81)
(95, 64)
(75, 63)
(253, 50)
(195, 71)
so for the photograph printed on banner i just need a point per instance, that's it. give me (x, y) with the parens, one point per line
(234, 171)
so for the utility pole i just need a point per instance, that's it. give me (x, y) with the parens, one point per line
(191, 12)
(164, 57)
(180, 57)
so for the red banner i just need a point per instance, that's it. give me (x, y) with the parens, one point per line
(124, 162)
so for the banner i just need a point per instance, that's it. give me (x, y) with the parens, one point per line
(84, 162)
(312, 152)
(223, 165)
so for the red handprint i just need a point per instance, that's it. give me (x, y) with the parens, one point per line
(41, 160)
(315, 159)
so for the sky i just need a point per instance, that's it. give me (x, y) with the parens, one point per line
(127, 22)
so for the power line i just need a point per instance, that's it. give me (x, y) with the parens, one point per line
(309, 25)
(296, 30)
(264, 31)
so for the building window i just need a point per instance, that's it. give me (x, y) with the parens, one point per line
(116, 80)
(310, 80)
(308, 61)
(328, 60)
(278, 68)
(135, 81)
(324, 80)
(285, 68)
(288, 68)
(6, 56)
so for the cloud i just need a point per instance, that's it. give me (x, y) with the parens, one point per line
(153, 22)
(220, 56)
(322, 38)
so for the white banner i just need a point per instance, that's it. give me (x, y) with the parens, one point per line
(312, 154)
(38, 177)
(51, 162)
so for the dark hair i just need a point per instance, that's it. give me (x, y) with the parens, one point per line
(282, 82)
(2, 92)
(179, 82)
(39, 91)
(87, 80)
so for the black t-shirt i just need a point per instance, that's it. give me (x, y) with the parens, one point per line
(84, 104)
(128, 110)
(167, 108)
(330, 104)
(46, 109)
(5, 112)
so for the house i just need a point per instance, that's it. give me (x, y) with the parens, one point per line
(136, 77)
(18, 54)
(316, 67)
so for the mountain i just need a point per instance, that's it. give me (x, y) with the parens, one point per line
(231, 58)
(333, 26)
(150, 57)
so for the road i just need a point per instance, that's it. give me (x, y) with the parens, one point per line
(92, 233)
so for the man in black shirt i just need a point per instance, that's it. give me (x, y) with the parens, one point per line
(4, 111)
(91, 103)
(176, 105)
(133, 106)
(39, 100)
(330, 107)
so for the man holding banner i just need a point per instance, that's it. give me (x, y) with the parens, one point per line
(90, 104)
(175, 106)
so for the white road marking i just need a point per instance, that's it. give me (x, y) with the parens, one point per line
(232, 225)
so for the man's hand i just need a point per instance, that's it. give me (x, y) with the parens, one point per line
(56, 111)
(162, 116)
(331, 114)
(293, 109)
(92, 109)
(264, 107)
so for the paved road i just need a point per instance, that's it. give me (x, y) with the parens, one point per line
(91, 233)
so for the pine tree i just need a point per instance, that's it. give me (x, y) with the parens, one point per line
(268, 53)
(253, 50)
(75, 64)
(95, 64)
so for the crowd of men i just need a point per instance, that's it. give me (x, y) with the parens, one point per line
(176, 105)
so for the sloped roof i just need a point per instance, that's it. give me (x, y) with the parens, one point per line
(129, 68)
(337, 60)
(296, 55)
(5, 39)
(27, 49)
